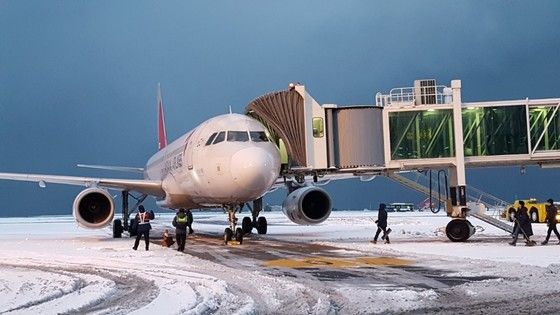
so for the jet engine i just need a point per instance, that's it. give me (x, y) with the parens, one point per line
(307, 205)
(93, 208)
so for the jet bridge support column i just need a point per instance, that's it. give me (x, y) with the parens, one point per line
(459, 229)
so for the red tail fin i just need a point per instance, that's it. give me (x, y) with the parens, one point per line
(162, 135)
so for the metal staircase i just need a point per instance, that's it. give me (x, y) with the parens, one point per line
(417, 182)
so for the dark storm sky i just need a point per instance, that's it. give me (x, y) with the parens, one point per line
(78, 78)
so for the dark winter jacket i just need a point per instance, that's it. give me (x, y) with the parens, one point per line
(180, 223)
(551, 212)
(382, 218)
(143, 221)
(189, 218)
(524, 221)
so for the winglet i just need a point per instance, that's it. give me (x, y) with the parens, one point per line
(162, 135)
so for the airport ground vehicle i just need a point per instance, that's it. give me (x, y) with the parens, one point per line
(400, 207)
(536, 210)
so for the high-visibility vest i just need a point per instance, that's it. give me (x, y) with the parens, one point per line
(144, 218)
(182, 220)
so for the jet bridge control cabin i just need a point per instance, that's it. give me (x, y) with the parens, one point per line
(423, 127)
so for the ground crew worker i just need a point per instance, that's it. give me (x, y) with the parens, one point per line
(523, 225)
(142, 219)
(180, 224)
(551, 212)
(381, 224)
(189, 221)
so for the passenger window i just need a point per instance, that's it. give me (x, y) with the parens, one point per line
(220, 137)
(211, 138)
(237, 136)
(318, 127)
(258, 136)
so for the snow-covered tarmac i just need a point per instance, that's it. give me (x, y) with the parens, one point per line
(49, 265)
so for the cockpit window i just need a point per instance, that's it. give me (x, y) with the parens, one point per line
(211, 138)
(258, 136)
(220, 137)
(237, 136)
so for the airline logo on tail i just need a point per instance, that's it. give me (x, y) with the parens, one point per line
(162, 135)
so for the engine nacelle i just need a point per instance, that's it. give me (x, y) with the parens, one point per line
(307, 205)
(93, 208)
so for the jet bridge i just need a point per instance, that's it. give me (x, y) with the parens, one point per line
(423, 127)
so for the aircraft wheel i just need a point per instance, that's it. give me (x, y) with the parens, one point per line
(459, 230)
(262, 225)
(239, 235)
(117, 228)
(534, 215)
(228, 235)
(246, 225)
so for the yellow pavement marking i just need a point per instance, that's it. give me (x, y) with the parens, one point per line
(332, 262)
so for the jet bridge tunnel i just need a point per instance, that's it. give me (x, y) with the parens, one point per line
(423, 127)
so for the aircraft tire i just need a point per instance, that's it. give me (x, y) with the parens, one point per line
(239, 235)
(262, 225)
(246, 225)
(228, 235)
(117, 228)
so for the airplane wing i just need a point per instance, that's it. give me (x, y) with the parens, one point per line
(149, 187)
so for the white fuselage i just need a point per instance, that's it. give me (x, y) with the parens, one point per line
(238, 164)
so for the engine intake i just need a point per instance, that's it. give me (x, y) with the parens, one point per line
(307, 205)
(93, 208)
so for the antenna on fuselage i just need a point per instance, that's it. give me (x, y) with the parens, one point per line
(230, 110)
(162, 135)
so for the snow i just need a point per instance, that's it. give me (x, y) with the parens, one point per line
(50, 265)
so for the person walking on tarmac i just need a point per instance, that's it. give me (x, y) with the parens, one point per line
(180, 224)
(142, 219)
(382, 224)
(551, 212)
(522, 225)
(189, 221)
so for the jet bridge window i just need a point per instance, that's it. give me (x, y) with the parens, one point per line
(258, 136)
(318, 127)
(220, 137)
(237, 136)
(211, 138)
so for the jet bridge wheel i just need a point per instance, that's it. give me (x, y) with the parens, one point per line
(459, 230)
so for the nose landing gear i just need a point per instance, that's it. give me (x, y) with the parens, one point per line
(229, 235)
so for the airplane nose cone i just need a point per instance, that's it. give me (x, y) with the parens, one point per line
(254, 170)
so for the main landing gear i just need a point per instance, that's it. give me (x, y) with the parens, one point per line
(257, 222)
(119, 226)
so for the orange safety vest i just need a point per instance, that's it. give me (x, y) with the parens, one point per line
(144, 218)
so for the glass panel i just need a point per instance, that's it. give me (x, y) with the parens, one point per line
(542, 139)
(421, 134)
(495, 130)
(318, 127)
(220, 137)
(258, 136)
(237, 136)
(211, 138)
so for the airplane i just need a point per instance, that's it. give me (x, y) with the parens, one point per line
(226, 161)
